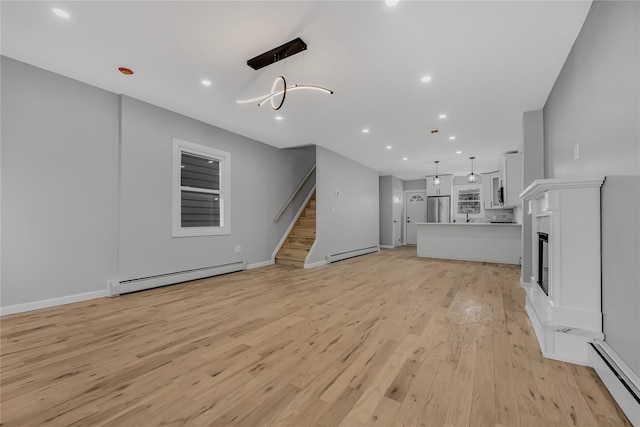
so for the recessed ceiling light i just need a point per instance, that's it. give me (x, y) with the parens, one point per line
(388, 147)
(206, 82)
(365, 130)
(210, 161)
(458, 152)
(279, 117)
(405, 158)
(425, 79)
(391, 3)
(61, 13)
(442, 116)
(451, 138)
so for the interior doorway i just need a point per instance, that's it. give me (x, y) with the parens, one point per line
(415, 212)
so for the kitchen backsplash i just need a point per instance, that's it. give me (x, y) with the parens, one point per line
(504, 215)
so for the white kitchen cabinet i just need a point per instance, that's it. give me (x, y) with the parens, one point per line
(491, 183)
(443, 189)
(511, 175)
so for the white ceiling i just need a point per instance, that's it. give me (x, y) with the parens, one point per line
(489, 62)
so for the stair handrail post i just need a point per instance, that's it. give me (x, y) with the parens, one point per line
(296, 191)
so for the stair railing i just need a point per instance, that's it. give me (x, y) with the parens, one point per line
(296, 191)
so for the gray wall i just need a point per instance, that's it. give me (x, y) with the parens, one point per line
(595, 99)
(59, 185)
(595, 102)
(350, 220)
(389, 185)
(67, 228)
(262, 179)
(532, 169)
(397, 187)
(620, 270)
(386, 210)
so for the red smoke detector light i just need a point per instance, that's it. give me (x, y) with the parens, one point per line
(434, 131)
(126, 71)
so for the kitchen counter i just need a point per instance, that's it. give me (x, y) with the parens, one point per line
(484, 242)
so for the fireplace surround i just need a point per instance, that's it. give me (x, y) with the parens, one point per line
(564, 305)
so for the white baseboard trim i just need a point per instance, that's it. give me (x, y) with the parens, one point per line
(387, 246)
(315, 264)
(350, 254)
(116, 288)
(53, 302)
(260, 264)
(620, 380)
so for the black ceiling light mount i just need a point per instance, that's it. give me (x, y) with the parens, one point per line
(279, 87)
(277, 54)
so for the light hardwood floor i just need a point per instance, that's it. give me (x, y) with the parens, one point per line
(386, 339)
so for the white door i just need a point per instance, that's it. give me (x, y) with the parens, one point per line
(416, 211)
(397, 218)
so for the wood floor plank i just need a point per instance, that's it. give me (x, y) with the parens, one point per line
(482, 398)
(385, 339)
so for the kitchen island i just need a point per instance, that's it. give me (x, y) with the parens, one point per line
(484, 242)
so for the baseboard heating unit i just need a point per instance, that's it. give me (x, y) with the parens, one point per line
(620, 380)
(116, 288)
(350, 254)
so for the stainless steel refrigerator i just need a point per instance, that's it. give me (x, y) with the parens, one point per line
(439, 209)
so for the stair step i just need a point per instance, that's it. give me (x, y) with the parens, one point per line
(312, 203)
(306, 222)
(291, 262)
(309, 213)
(293, 253)
(299, 242)
(298, 231)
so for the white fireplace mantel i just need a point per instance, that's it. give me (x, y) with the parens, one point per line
(571, 315)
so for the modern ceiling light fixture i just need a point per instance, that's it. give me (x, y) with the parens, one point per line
(436, 179)
(279, 86)
(472, 177)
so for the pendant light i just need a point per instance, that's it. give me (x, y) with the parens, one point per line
(436, 179)
(472, 177)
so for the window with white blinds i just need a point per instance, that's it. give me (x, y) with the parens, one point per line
(201, 190)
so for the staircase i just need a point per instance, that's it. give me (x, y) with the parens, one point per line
(294, 250)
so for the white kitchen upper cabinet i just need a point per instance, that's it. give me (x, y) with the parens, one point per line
(491, 183)
(511, 174)
(443, 189)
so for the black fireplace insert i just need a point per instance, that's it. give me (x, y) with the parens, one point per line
(543, 262)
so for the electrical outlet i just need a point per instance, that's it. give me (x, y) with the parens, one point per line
(576, 151)
(238, 249)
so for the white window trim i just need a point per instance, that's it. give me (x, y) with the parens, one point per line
(180, 146)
